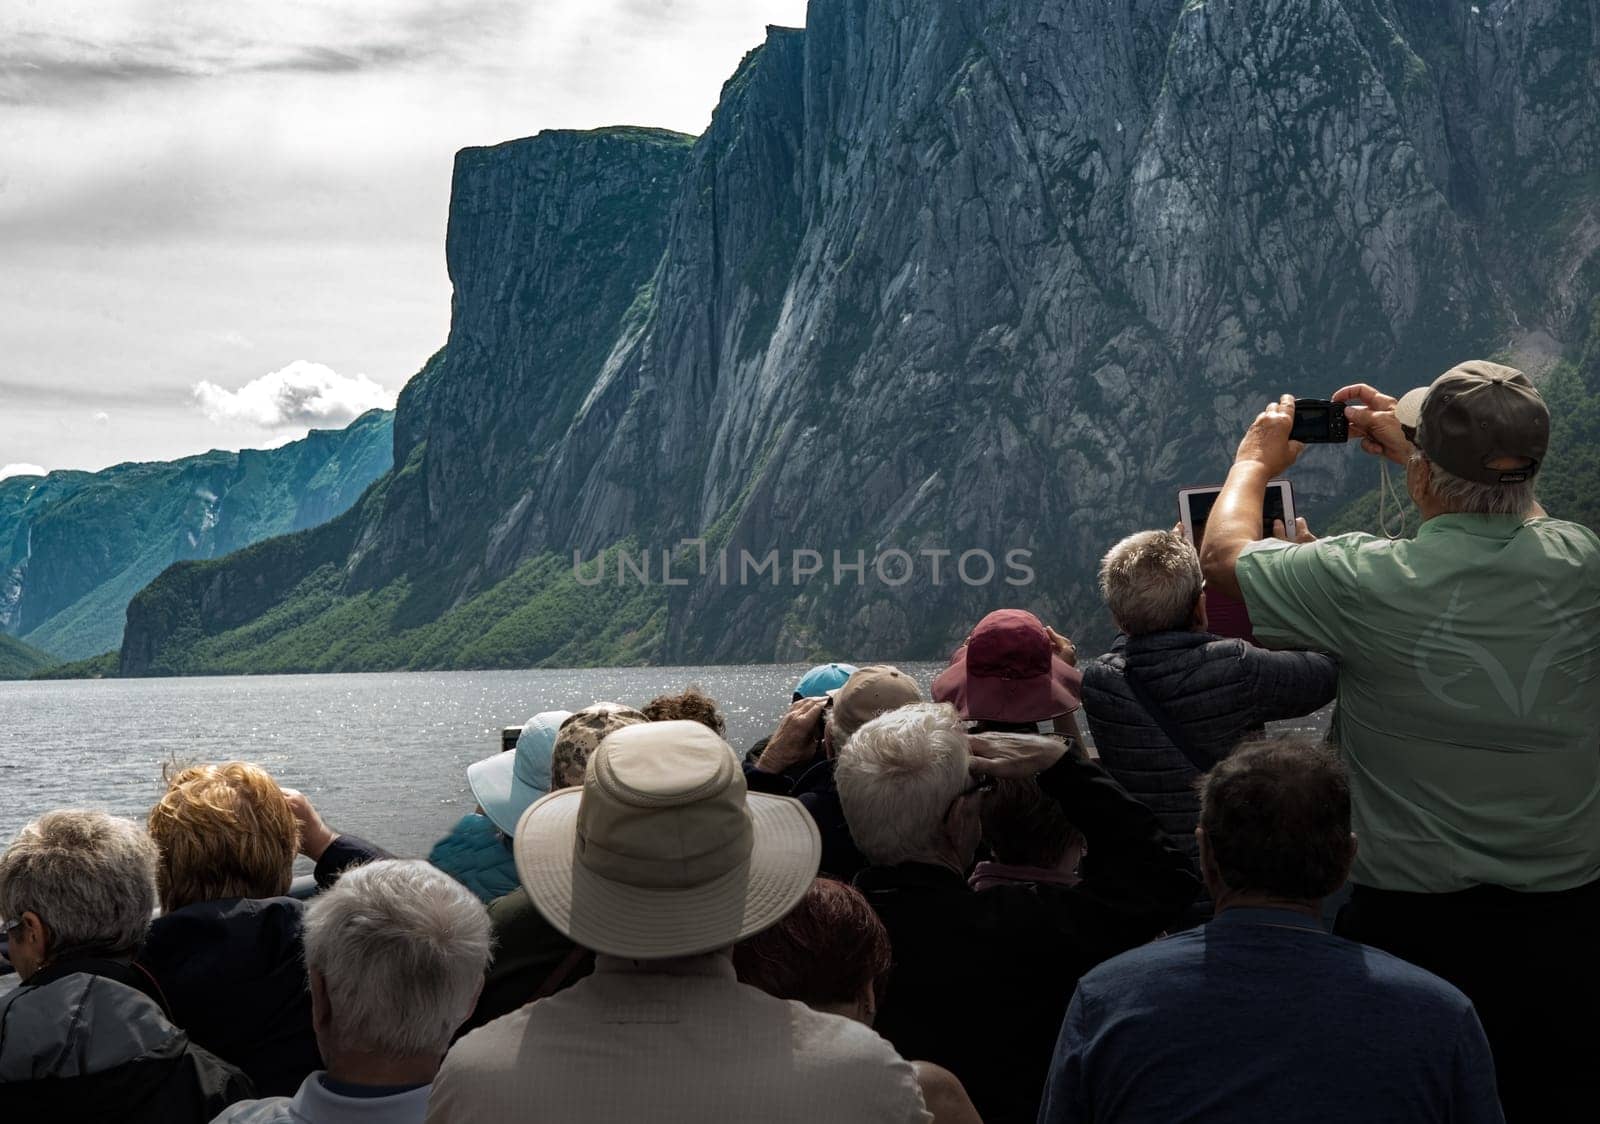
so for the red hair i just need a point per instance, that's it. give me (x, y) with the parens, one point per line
(828, 950)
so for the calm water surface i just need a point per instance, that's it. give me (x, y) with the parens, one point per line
(383, 756)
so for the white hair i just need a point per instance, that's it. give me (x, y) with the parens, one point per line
(402, 949)
(1468, 497)
(1151, 582)
(897, 776)
(90, 877)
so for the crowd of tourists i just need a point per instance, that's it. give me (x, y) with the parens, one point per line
(903, 908)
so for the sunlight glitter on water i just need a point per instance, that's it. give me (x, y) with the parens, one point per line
(381, 755)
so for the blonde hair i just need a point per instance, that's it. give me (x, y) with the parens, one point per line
(1151, 582)
(224, 831)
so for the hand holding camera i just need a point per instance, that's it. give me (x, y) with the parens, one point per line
(1371, 417)
(798, 738)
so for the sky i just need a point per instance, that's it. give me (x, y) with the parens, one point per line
(222, 222)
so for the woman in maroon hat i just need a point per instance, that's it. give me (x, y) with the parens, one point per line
(1012, 673)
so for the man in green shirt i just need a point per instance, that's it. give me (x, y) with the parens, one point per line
(1468, 706)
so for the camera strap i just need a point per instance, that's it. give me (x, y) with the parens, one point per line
(1387, 494)
(1173, 731)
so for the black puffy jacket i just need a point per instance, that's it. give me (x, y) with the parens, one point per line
(1218, 691)
(83, 1042)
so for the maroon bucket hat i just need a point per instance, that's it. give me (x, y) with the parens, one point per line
(1008, 671)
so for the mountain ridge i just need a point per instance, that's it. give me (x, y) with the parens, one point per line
(75, 547)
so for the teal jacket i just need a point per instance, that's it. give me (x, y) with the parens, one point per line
(478, 856)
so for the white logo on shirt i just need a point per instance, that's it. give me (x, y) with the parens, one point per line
(1442, 634)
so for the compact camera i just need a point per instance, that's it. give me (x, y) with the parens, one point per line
(1319, 422)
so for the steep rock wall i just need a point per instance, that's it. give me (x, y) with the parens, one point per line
(975, 275)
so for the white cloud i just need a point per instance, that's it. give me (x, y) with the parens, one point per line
(20, 470)
(301, 394)
(100, 417)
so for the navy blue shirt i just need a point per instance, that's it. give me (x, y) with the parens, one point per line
(1262, 1016)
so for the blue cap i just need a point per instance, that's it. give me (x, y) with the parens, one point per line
(823, 678)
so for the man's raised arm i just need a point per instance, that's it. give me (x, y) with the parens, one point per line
(1235, 521)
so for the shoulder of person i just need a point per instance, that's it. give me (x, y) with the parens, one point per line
(1154, 961)
(489, 1046)
(834, 1046)
(1548, 526)
(1350, 542)
(268, 1110)
(1417, 989)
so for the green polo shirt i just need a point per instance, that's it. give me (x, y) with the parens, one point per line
(1469, 693)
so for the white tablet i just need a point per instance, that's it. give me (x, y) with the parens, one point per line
(1194, 508)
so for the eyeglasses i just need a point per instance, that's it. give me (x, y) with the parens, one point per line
(978, 785)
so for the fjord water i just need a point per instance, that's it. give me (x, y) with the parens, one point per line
(381, 755)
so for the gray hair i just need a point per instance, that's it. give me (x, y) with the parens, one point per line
(1468, 497)
(1151, 582)
(91, 878)
(897, 775)
(402, 949)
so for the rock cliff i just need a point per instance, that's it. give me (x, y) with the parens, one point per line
(965, 276)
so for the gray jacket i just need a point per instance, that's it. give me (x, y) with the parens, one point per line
(80, 1046)
(1218, 691)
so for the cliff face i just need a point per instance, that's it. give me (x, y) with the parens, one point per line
(986, 275)
(76, 546)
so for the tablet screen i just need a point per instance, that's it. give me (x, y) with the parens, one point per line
(1201, 503)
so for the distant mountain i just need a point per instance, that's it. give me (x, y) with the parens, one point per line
(76, 546)
(18, 661)
(942, 275)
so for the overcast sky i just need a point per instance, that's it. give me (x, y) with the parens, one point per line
(222, 222)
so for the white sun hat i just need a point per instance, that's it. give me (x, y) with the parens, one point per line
(662, 852)
(505, 784)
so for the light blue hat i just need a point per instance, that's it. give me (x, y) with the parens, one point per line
(508, 782)
(823, 678)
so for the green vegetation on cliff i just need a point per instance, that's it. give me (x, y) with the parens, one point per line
(540, 615)
(103, 666)
(19, 661)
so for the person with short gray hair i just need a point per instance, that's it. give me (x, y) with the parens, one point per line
(1170, 699)
(86, 1036)
(396, 954)
(912, 783)
(1261, 1015)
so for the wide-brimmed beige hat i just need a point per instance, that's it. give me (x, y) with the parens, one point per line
(662, 852)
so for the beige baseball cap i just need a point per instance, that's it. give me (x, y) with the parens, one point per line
(663, 852)
(873, 690)
(1476, 413)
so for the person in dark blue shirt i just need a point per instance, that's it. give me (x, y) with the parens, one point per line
(1261, 1015)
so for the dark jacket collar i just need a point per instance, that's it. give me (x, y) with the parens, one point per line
(909, 875)
(1278, 918)
(1163, 642)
